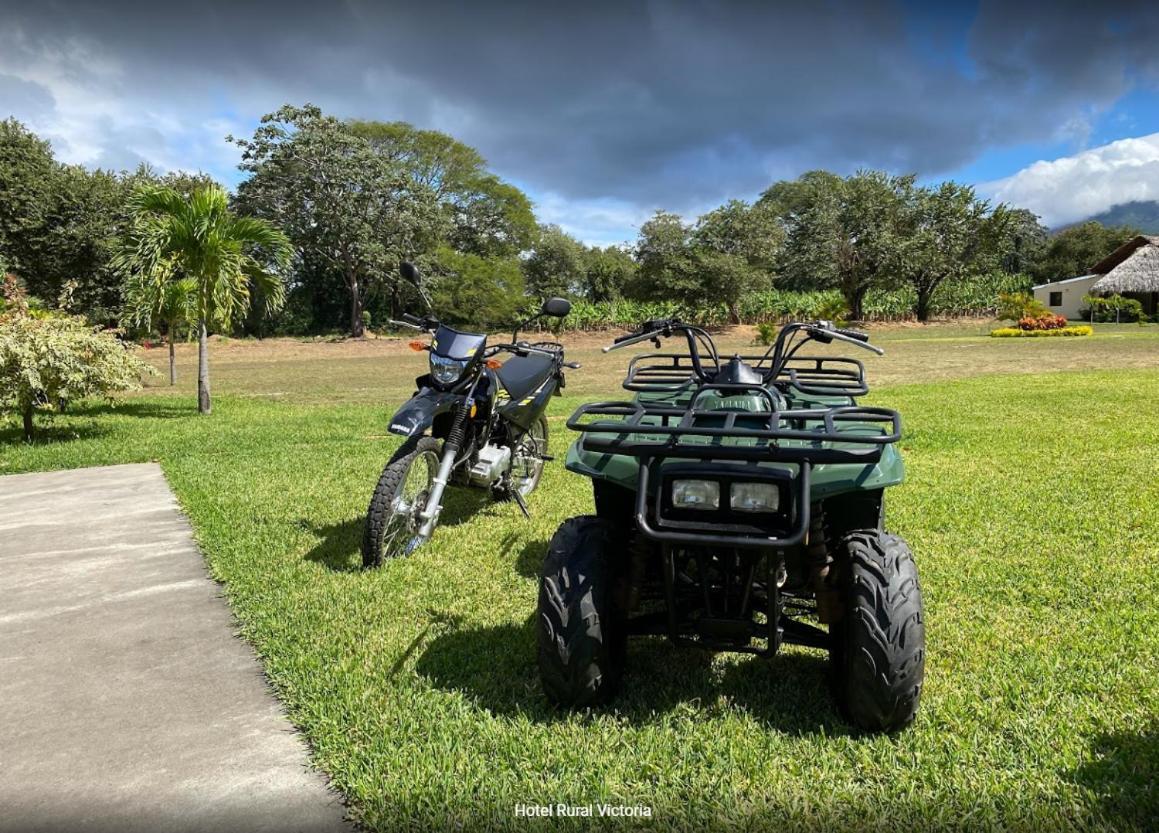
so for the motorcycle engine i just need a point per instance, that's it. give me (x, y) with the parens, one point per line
(491, 463)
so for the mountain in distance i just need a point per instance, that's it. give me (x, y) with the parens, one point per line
(1141, 214)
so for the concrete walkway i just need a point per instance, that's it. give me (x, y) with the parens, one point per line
(126, 701)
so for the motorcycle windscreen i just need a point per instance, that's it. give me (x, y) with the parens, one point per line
(456, 345)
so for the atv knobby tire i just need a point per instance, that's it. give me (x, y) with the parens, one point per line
(878, 647)
(580, 621)
(379, 514)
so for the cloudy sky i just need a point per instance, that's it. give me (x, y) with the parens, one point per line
(604, 112)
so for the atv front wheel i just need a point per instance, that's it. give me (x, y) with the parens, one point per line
(392, 520)
(580, 622)
(878, 646)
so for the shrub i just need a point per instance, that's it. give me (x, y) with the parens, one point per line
(1014, 332)
(1015, 306)
(48, 361)
(766, 333)
(1044, 322)
(1112, 308)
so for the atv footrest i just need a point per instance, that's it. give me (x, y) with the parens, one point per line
(739, 631)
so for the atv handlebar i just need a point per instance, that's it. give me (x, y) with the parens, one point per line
(631, 338)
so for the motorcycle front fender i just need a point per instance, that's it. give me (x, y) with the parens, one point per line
(417, 415)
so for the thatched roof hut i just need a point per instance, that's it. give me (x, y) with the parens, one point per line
(1131, 268)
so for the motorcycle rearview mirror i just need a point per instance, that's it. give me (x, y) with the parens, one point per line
(412, 275)
(409, 272)
(555, 307)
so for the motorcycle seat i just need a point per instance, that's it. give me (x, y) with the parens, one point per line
(520, 375)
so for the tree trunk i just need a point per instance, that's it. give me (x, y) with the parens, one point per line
(172, 358)
(733, 313)
(27, 414)
(923, 306)
(356, 328)
(855, 299)
(203, 405)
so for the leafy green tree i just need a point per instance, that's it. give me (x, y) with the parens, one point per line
(478, 291)
(226, 257)
(347, 208)
(735, 247)
(666, 263)
(48, 360)
(607, 272)
(72, 251)
(27, 172)
(1020, 241)
(1073, 251)
(843, 233)
(945, 236)
(483, 214)
(555, 265)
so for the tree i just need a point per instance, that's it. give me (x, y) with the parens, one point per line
(483, 215)
(944, 236)
(842, 233)
(479, 291)
(71, 253)
(47, 360)
(1021, 240)
(346, 207)
(226, 256)
(555, 265)
(607, 273)
(1073, 251)
(27, 170)
(664, 255)
(161, 300)
(736, 247)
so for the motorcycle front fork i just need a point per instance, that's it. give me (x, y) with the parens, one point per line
(429, 516)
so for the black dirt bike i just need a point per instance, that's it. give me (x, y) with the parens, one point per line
(472, 421)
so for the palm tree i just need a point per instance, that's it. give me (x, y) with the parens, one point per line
(224, 256)
(161, 298)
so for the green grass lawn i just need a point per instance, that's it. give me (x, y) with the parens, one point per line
(1031, 502)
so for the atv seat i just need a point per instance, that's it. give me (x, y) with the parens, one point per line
(520, 375)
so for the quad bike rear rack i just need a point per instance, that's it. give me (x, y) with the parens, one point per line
(811, 375)
(655, 432)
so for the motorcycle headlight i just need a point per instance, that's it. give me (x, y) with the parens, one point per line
(754, 497)
(695, 494)
(447, 371)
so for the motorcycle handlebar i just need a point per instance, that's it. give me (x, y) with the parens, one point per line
(854, 334)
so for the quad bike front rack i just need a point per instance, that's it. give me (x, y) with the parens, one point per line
(656, 432)
(811, 375)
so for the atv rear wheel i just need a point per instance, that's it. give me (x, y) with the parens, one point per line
(580, 622)
(392, 519)
(878, 646)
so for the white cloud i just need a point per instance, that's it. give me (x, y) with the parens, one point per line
(99, 113)
(596, 222)
(1075, 187)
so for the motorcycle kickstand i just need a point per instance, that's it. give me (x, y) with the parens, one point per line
(522, 503)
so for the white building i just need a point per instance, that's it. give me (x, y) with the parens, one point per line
(1066, 297)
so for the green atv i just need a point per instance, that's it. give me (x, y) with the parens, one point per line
(739, 505)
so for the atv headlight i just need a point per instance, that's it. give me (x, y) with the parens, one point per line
(695, 494)
(754, 497)
(447, 371)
